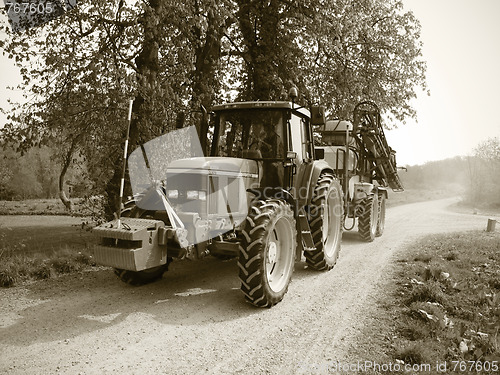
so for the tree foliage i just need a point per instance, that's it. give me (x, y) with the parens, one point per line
(33, 175)
(484, 173)
(337, 52)
(370, 50)
(80, 70)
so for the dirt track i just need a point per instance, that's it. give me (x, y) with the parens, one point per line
(196, 321)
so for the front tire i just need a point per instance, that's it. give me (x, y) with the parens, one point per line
(267, 252)
(326, 213)
(367, 221)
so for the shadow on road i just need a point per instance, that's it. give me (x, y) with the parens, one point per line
(190, 293)
(351, 237)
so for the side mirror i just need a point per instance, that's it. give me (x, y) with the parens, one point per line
(319, 153)
(291, 155)
(317, 115)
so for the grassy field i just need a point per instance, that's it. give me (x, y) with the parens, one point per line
(443, 306)
(38, 247)
(33, 207)
(40, 238)
(25, 267)
(81, 207)
(42, 234)
(464, 208)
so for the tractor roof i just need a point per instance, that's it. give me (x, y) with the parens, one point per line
(261, 105)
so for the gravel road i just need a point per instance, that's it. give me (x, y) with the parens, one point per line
(195, 319)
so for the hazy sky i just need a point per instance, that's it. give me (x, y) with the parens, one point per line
(462, 49)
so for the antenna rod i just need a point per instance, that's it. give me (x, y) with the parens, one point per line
(125, 151)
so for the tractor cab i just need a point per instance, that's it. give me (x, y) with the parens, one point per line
(275, 135)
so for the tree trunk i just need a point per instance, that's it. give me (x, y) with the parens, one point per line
(260, 31)
(207, 55)
(67, 162)
(147, 64)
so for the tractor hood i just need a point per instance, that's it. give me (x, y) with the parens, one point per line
(210, 193)
(215, 166)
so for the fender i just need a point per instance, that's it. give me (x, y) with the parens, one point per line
(274, 192)
(318, 167)
(384, 191)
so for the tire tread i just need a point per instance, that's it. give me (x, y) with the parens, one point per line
(250, 262)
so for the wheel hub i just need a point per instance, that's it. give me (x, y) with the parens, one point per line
(272, 252)
(331, 225)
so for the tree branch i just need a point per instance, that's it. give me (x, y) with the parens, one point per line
(238, 52)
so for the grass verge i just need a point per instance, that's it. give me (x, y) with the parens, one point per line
(445, 304)
(23, 267)
(33, 248)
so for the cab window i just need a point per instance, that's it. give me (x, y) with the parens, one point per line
(251, 133)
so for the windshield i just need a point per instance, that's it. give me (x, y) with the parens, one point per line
(251, 134)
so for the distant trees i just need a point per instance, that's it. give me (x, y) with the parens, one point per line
(475, 177)
(35, 174)
(450, 174)
(484, 174)
(80, 70)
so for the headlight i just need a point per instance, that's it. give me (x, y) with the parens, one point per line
(173, 194)
(192, 194)
(195, 194)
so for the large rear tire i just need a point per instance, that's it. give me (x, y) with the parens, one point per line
(367, 221)
(326, 214)
(381, 215)
(267, 252)
(137, 278)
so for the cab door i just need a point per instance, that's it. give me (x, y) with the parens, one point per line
(301, 143)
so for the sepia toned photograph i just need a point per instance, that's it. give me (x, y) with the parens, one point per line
(249, 187)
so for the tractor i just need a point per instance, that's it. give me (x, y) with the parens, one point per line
(365, 165)
(252, 186)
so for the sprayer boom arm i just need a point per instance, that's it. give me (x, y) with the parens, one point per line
(368, 127)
